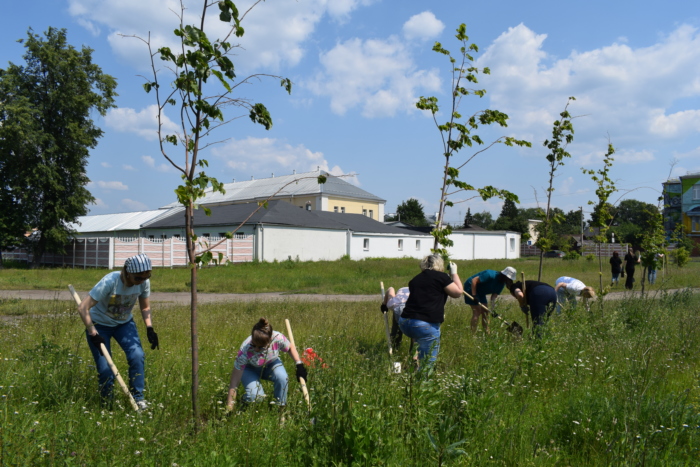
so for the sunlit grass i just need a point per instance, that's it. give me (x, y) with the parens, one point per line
(618, 386)
(333, 277)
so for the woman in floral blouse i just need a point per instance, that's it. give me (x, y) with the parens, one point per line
(258, 358)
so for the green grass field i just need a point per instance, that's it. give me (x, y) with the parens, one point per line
(617, 386)
(331, 277)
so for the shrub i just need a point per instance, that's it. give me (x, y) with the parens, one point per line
(572, 256)
(590, 257)
(680, 256)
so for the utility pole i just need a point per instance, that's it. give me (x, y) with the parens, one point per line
(582, 223)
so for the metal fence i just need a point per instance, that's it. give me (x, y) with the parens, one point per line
(589, 248)
(108, 252)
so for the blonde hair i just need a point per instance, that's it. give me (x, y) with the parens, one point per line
(588, 292)
(261, 335)
(433, 262)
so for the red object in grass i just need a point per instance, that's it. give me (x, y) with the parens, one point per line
(311, 358)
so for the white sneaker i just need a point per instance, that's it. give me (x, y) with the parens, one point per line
(143, 405)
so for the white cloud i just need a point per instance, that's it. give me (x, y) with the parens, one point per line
(423, 26)
(377, 75)
(111, 185)
(128, 167)
(98, 204)
(132, 205)
(679, 123)
(143, 123)
(620, 90)
(261, 157)
(274, 32)
(106, 165)
(151, 162)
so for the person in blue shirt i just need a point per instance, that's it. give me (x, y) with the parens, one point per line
(488, 282)
(106, 313)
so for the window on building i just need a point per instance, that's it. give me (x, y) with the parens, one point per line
(163, 236)
(696, 192)
(222, 234)
(512, 244)
(364, 212)
(177, 236)
(365, 244)
(342, 210)
(151, 237)
(206, 235)
(371, 214)
(417, 245)
(308, 206)
(335, 208)
(400, 245)
(695, 224)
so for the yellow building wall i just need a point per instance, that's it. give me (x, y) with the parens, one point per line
(354, 207)
(301, 201)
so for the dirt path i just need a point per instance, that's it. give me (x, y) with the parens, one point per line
(183, 298)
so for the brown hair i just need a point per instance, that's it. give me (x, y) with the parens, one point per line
(588, 292)
(261, 335)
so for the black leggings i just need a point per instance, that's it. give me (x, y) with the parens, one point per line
(629, 282)
(542, 301)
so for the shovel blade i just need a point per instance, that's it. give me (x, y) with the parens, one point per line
(515, 328)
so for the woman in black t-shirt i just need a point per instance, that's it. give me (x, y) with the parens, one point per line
(425, 308)
(615, 268)
(631, 261)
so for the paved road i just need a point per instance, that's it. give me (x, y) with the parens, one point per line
(183, 298)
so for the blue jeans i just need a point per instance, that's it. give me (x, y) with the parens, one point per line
(563, 298)
(127, 337)
(273, 371)
(426, 335)
(652, 276)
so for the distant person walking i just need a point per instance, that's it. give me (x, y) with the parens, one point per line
(424, 312)
(652, 269)
(615, 268)
(488, 282)
(631, 260)
(106, 313)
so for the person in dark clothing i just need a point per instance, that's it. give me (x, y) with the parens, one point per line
(425, 308)
(615, 268)
(539, 300)
(631, 260)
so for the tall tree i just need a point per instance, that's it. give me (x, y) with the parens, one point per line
(510, 218)
(483, 219)
(468, 218)
(46, 132)
(200, 107)
(456, 134)
(411, 212)
(562, 136)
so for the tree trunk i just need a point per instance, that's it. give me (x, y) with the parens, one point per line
(644, 275)
(38, 252)
(191, 252)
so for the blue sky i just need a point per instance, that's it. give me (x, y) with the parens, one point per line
(358, 67)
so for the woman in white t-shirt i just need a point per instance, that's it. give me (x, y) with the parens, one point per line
(568, 289)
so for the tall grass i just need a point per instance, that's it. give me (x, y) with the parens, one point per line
(617, 387)
(330, 277)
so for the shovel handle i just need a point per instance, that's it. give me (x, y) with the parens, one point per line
(108, 357)
(302, 383)
(527, 316)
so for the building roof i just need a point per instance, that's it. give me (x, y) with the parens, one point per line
(278, 212)
(306, 185)
(116, 222)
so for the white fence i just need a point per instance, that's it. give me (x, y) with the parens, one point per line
(107, 252)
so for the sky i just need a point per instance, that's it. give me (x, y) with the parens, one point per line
(359, 66)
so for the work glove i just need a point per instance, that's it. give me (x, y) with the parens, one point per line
(525, 309)
(301, 372)
(152, 338)
(453, 268)
(96, 341)
(384, 308)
